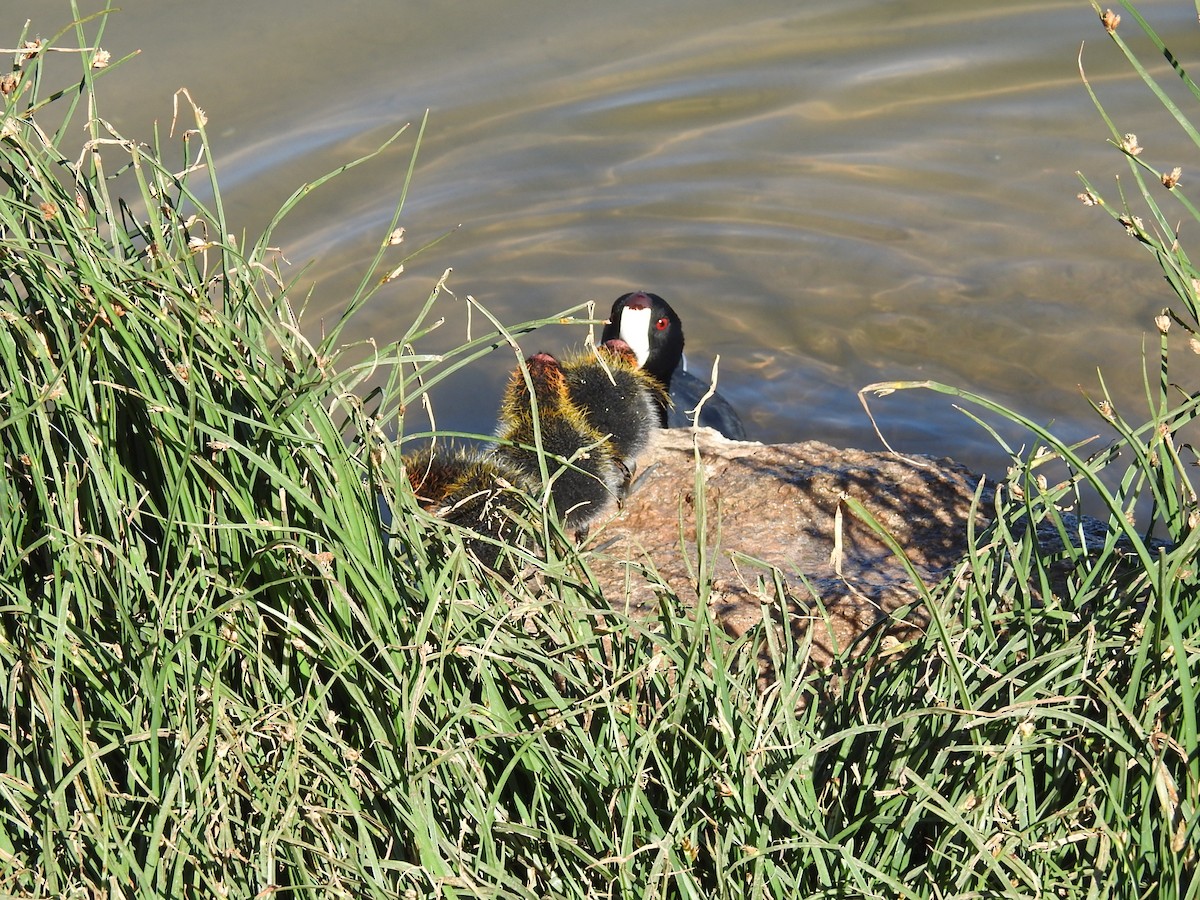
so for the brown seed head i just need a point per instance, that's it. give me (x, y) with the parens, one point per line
(1133, 224)
(1111, 20)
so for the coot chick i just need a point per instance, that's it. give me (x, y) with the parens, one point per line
(477, 492)
(617, 398)
(648, 324)
(585, 476)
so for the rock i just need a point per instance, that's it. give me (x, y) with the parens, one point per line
(778, 506)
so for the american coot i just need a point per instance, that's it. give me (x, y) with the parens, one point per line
(585, 475)
(618, 398)
(648, 324)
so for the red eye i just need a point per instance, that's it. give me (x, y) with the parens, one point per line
(662, 324)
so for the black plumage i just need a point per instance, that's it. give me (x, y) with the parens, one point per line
(654, 331)
(617, 398)
(582, 470)
(476, 491)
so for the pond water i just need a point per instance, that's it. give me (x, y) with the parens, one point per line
(832, 193)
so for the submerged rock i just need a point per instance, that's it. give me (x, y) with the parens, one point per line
(782, 505)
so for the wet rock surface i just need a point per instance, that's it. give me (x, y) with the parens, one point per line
(783, 505)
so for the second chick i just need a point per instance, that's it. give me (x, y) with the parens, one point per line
(585, 474)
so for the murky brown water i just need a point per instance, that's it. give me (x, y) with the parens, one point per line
(832, 193)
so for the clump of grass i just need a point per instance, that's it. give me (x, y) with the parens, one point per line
(1043, 740)
(237, 659)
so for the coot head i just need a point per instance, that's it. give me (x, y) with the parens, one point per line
(651, 328)
(654, 331)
